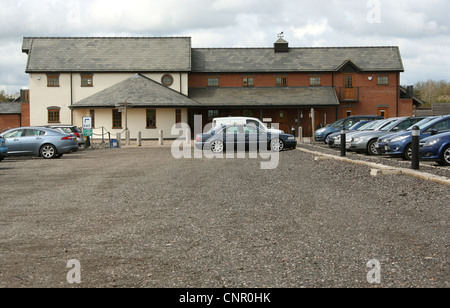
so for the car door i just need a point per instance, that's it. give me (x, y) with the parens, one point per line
(13, 141)
(231, 136)
(31, 141)
(440, 127)
(251, 137)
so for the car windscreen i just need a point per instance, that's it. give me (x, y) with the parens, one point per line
(367, 126)
(388, 125)
(379, 124)
(422, 123)
(338, 124)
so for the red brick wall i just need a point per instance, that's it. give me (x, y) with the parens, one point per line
(9, 121)
(260, 80)
(25, 114)
(372, 97)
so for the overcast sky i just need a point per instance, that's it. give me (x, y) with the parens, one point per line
(420, 28)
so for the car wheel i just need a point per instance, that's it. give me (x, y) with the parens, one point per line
(407, 155)
(48, 151)
(371, 148)
(277, 145)
(217, 146)
(445, 156)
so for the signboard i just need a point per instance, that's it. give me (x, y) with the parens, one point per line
(87, 126)
(87, 123)
(88, 132)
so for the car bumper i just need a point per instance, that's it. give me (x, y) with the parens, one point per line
(430, 153)
(319, 137)
(381, 147)
(394, 149)
(3, 153)
(68, 149)
(360, 146)
(290, 144)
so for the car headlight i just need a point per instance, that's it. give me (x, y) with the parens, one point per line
(320, 131)
(400, 138)
(291, 138)
(432, 142)
(356, 140)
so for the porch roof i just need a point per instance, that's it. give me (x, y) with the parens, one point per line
(137, 91)
(265, 97)
(10, 108)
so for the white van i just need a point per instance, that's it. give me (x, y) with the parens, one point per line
(244, 120)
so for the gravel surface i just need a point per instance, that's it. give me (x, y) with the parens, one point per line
(425, 166)
(137, 217)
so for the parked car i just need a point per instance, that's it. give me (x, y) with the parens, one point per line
(366, 141)
(242, 121)
(322, 133)
(39, 141)
(356, 127)
(334, 140)
(436, 148)
(70, 129)
(382, 141)
(3, 149)
(239, 136)
(400, 144)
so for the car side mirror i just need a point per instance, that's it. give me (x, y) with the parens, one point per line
(434, 131)
(395, 129)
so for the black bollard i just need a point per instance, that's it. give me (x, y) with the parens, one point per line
(415, 163)
(343, 141)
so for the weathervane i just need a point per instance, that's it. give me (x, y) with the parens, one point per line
(281, 34)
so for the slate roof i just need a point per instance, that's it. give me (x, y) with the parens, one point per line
(10, 108)
(103, 54)
(138, 91)
(233, 60)
(265, 97)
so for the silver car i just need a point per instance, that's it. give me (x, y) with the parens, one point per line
(366, 141)
(39, 141)
(70, 129)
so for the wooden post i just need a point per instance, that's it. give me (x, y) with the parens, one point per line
(139, 139)
(161, 137)
(313, 121)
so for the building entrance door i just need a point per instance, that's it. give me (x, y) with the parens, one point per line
(281, 117)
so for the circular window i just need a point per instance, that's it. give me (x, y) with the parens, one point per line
(167, 80)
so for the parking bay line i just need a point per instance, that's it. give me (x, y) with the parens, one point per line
(410, 172)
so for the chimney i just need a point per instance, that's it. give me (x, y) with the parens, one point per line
(281, 46)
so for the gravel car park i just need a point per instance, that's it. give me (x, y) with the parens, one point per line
(137, 217)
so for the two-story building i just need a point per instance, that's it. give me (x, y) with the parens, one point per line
(159, 82)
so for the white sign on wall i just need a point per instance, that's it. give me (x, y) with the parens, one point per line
(87, 123)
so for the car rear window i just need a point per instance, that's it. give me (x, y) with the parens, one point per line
(34, 132)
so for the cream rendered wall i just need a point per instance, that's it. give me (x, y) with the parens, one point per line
(42, 97)
(165, 119)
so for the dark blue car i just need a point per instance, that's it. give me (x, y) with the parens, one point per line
(240, 137)
(400, 144)
(322, 133)
(3, 149)
(436, 148)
